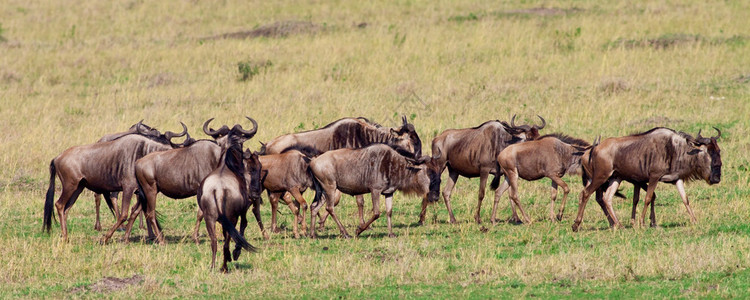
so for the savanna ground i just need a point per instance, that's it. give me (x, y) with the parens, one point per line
(72, 71)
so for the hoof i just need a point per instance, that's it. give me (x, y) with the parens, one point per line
(453, 221)
(98, 227)
(236, 253)
(391, 235)
(559, 217)
(575, 227)
(276, 230)
(346, 236)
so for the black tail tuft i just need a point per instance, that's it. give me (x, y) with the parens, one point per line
(49, 200)
(319, 192)
(108, 200)
(495, 182)
(234, 234)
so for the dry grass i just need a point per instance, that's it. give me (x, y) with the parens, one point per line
(71, 72)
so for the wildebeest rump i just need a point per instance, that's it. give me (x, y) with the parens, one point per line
(378, 170)
(472, 152)
(550, 156)
(101, 167)
(225, 196)
(657, 155)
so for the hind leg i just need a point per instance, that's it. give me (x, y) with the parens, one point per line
(566, 190)
(243, 225)
(63, 204)
(211, 230)
(482, 187)
(124, 206)
(447, 190)
(97, 203)
(198, 219)
(256, 213)
(498, 194)
(273, 198)
(512, 177)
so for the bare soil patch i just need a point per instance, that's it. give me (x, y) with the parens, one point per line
(543, 11)
(109, 284)
(274, 30)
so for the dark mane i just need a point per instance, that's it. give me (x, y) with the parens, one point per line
(235, 163)
(567, 139)
(485, 123)
(650, 131)
(304, 149)
(159, 139)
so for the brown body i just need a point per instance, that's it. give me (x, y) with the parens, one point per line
(550, 156)
(225, 196)
(657, 155)
(472, 152)
(101, 167)
(287, 172)
(378, 170)
(178, 173)
(349, 133)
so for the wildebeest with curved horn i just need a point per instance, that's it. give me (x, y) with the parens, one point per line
(225, 196)
(551, 156)
(178, 173)
(351, 133)
(472, 152)
(101, 167)
(658, 155)
(378, 170)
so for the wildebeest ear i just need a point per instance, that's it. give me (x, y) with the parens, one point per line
(247, 154)
(694, 151)
(578, 153)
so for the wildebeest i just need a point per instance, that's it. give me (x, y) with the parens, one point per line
(551, 156)
(101, 167)
(472, 152)
(287, 172)
(378, 170)
(349, 133)
(178, 173)
(657, 155)
(225, 195)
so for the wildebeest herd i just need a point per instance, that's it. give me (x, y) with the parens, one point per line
(356, 156)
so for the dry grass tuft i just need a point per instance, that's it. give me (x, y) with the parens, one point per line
(109, 284)
(613, 86)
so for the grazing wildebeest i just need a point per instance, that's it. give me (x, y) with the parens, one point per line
(111, 198)
(225, 195)
(349, 133)
(287, 172)
(378, 170)
(472, 152)
(660, 154)
(178, 173)
(551, 156)
(101, 167)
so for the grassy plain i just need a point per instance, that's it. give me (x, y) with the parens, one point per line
(72, 71)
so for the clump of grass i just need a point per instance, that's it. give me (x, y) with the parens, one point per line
(565, 40)
(2, 30)
(613, 86)
(671, 40)
(467, 18)
(249, 68)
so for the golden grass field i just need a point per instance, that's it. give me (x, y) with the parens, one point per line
(72, 71)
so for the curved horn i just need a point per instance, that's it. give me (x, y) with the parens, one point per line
(544, 123)
(169, 135)
(139, 130)
(208, 130)
(249, 133)
(513, 121)
(403, 120)
(718, 136)
(439, 154)
(698, 137)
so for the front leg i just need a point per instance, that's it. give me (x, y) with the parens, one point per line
(375, 211)
(498, 194)
(681, 189)
(388, 210)
(256, 213)
(483, 174)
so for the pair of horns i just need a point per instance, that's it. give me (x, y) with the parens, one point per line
(224, 129)
(713, 137)
(544, 123)
(168, 134)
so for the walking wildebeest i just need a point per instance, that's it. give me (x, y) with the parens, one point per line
(111, 198)
(349, 133)
(660, 154)
(472, 152)
(287, 172)
(551, 156)
(225, 195)
(178, 173)
(377, 169)
(101, 167)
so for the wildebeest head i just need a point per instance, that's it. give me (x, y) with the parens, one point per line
(408, 138)
(708, 149)
(225, 136)
(432, 169)
(165, 138)
(524, 132)
(254, 176)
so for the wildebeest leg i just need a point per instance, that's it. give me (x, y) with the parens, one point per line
(69, 194)
(653, 214)
(211, 230)
(483, 174)
(256, 213)
(447, 190)
(98, 203)
(681, 189)
(608, 203)
(330, 204)
(299, 214)
(388, 210)
(600, 200)
(227, 256)
(375, 211)
(243, 224)
(512, 178)
(273, 198)
(498, 194)
(198, 218)
(323, 215)
(636, 198)
(585, 194)
(360, 209)
(553, 194)
(133, 214)
(649, 197)
(127, 193)
(423, 212)
(557, 181)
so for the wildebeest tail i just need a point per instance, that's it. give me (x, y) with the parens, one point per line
(495, 182)
(234, 234)
(318, 188)
(49, 200)
(306, 150)
(108, 200)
